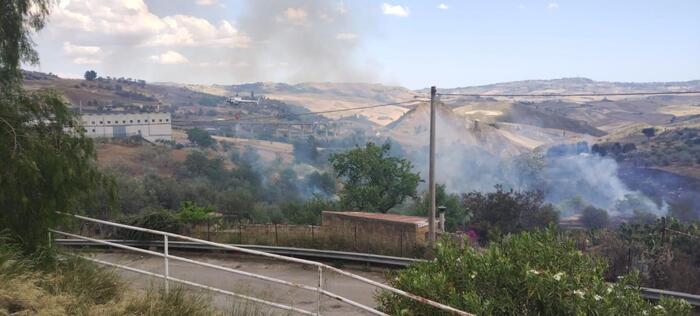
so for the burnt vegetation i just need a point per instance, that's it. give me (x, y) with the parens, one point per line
(679, 147)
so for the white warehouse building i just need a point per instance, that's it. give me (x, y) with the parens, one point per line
(151, 126)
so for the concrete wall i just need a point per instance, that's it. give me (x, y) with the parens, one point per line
(152, 126)
(372, 235)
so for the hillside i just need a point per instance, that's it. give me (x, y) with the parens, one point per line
(327, 97)
(106, 92)
(412, 130)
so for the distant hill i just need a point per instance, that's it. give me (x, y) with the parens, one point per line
(104, 92)
(327, 97)
(528, 115)
(574, 85)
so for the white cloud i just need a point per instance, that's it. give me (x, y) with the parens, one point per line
(170, 57)
(215, 64)
(83, 55)
(130, 22)
(206, 2)
(443, 6)
(86, 61)
(346, 36)
(295, 16)
(396, 10)
(552, 6)
(73, 50)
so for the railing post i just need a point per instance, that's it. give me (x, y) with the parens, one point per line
(50, 240)
(167, 266)
(320, 287)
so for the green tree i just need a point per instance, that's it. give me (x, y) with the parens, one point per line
(593, 217)
(47, 161)
(191, 213)
(372, 180)
(531, 273)
(306, 151)
(455, 215)
(197, 164)
(200, 137)
(90, 75)
(307, 212)
(506, 211)
(322, 182)
(20, 19)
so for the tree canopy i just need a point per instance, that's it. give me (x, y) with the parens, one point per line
(506, 211)
(90, 75)
(47, 161)
(372, 180)
(200, 137)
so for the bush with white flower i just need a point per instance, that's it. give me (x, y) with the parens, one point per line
(532, 273)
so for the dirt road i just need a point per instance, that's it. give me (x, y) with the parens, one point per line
(349, 288)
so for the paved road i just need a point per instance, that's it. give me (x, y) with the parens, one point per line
(355, 290)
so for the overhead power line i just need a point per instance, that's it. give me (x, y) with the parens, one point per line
(570, 94)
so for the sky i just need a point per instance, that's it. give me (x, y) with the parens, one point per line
(415, 43)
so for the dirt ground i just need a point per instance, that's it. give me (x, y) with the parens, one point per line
(303, 299)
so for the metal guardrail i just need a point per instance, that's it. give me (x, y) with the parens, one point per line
(398, 262)
(656, 294)
(390, 261)
(317, 289)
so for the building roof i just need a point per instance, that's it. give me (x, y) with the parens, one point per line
(415, 220)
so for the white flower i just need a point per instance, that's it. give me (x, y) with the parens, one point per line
(473, 275)
(459, 259)
(558, 276)
(609, 289)
(597, 297)
(659, 307)
(533, 271)
(579, 293)
(645, 313)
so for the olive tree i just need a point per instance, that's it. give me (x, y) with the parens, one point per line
(372, 180)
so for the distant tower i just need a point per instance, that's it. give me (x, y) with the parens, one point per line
(252, 94)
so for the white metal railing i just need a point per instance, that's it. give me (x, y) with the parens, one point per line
(318, 289)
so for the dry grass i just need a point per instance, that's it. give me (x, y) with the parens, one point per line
(65, 285)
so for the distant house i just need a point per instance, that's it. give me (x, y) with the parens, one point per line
(373, 231)
(151, 126)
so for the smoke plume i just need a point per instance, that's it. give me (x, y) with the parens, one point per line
(300, 40)
(473, 157)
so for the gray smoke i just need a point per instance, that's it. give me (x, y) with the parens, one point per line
(300, 40)
(474, 158)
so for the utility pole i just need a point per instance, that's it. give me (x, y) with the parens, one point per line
(431, 172)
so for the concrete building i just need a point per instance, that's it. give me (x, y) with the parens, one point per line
(375, 232)
(151, 126)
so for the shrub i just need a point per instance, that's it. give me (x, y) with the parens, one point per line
(505, 212)
(593, 217)
(200, 137)
(532, 273)
(156, 220)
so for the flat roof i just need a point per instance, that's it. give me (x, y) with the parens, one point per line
(415, 220)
